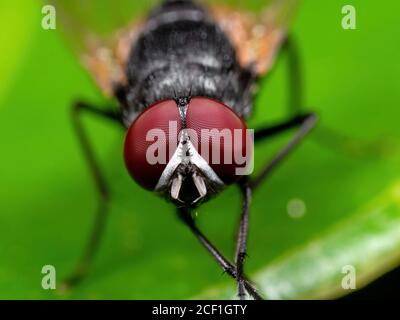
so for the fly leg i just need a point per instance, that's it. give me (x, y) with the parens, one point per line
(91, 248)
(304, 122)
(242, 234)
(228, 267)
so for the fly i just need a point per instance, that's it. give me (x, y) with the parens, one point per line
(185, 79)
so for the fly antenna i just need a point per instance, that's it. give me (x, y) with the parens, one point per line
(190, 93)
(175, 94)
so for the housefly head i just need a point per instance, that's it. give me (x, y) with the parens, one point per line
(187, 149)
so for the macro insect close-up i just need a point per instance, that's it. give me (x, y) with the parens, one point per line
(158, 144)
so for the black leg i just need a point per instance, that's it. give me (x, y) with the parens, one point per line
(241, 241)
(84, 263)
(270, 131)
(306, 123)
(228, 267)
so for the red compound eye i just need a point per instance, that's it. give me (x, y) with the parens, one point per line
(218, 134)
(222, 137)
(145, 132)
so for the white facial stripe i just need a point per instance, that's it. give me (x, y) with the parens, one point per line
(169, 169)
(176, 187)
(202, 164)
(185, 153)
(200, 185)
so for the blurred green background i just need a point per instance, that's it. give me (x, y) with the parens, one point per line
(349, 180)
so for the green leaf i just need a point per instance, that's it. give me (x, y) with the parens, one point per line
(17, 44)
(346, 174)
(368, 241)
